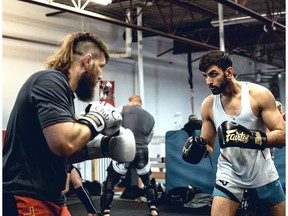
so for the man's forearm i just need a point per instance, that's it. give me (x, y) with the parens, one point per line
(78, 157)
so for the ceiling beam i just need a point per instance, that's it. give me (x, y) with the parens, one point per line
(103, 18)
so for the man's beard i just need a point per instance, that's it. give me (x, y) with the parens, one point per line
(218, 90)
(86, 86)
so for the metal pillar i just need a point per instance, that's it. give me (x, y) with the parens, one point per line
(140, 56)
(221, 27)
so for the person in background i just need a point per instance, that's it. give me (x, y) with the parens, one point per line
(74, 177)
(193, 124)
(43, 132)
(239, 112)
(141, 123)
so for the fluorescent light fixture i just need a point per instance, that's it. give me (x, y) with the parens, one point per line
(244, 19)
(102, 2)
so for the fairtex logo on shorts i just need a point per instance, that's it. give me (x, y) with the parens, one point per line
(224, 183)
(234, 135)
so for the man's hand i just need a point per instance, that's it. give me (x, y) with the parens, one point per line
(194, 149)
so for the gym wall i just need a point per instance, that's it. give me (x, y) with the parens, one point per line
(166, 88)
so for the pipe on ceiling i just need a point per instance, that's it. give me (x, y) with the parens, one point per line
(253, 14)
(128, 42)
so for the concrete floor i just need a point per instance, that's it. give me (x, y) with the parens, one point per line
(124, 207)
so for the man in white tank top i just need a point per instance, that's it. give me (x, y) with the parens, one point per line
(240, 112)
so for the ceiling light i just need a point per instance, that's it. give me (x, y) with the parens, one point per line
(102, 2)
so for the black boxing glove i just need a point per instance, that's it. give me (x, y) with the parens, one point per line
(232, 134)
(194, 150)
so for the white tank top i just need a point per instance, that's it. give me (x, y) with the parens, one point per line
(247, 168)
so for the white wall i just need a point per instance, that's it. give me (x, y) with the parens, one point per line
(165, 78)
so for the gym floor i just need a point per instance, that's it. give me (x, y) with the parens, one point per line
(125, 207)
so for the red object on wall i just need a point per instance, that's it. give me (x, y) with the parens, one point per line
(106, 91)
(3, 137)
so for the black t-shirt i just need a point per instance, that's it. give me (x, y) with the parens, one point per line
(29, 166)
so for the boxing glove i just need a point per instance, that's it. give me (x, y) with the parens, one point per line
(194, 149)
(101, 117)
(120, 147)
(232, 134)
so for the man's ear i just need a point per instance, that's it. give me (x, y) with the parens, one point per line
(229, 72)
(87, 60)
